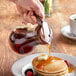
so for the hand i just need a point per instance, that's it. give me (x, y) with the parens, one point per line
(27, 8)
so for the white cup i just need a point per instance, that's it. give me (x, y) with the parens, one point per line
(73, 24)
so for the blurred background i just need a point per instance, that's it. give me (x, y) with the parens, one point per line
(10, 19)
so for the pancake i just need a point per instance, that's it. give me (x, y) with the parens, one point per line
(52, 66)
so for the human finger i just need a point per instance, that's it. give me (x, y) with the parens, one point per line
(37, 9)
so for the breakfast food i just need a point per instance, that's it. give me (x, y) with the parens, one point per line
(50, 66)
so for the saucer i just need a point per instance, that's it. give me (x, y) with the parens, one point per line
(66, 32)
(22, 64)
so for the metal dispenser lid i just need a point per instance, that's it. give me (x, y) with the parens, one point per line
(46, 30)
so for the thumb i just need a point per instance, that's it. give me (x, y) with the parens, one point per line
(38, 9)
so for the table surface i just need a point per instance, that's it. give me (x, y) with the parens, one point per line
(10, 19)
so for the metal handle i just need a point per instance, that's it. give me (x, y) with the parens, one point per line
(39, 21)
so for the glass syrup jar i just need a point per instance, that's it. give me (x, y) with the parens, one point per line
(24, 38)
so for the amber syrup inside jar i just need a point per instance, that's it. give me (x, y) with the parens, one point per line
(23, 40)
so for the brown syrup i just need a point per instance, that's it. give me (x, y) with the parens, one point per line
(70, 69)
(23, 40)
(45, 62)
(49, 46)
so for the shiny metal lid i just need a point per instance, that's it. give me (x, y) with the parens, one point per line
(46, 30)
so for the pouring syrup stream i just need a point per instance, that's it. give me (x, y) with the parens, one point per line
(49, 48)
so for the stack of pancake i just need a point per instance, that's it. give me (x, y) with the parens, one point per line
(52, 66)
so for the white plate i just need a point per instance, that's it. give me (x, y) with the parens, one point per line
(20, 64)
(66, 32)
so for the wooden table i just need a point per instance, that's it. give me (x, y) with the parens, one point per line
(9, 19)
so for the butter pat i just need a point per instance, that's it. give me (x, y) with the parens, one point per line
(43, 57)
